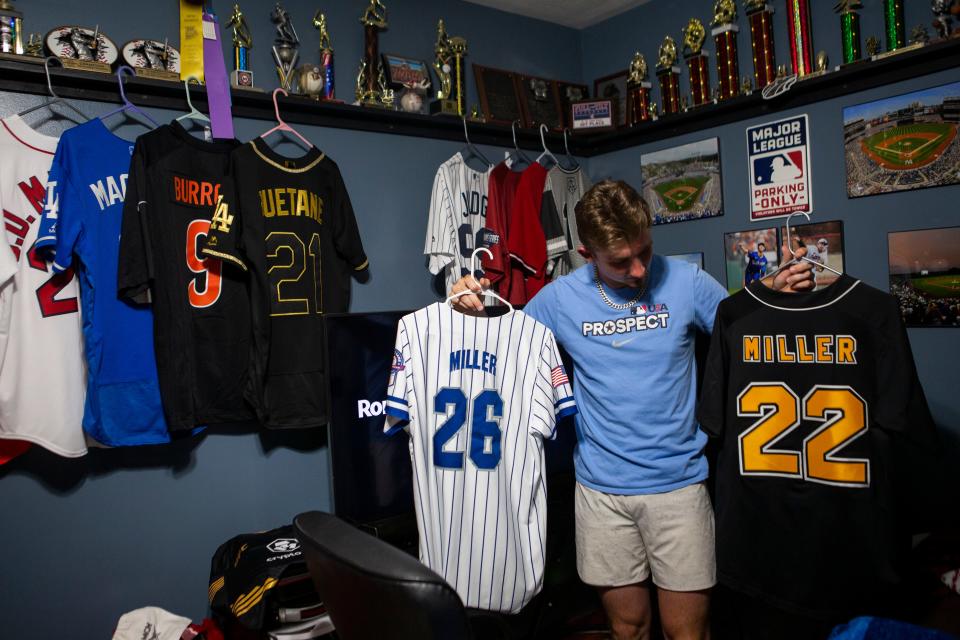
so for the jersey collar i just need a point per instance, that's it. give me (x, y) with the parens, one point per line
(802, 301)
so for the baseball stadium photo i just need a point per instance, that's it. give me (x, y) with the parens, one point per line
(750, 255)
(925, 276)
(904, 142)
(824, 244)
(683, 183)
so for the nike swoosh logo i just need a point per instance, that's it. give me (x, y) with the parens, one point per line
(619, 343)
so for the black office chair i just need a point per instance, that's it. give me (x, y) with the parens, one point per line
(372, 589)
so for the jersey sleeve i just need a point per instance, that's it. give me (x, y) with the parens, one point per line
(712, 405)
(399, 404)
(440, 247)
(707, 295)
(346, 233)
(135, 261)
(554, 396)
(62, 219)
(224, 237)
(542, 307)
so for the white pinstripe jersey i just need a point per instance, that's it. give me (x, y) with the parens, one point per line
(477, 396)
(458, 218)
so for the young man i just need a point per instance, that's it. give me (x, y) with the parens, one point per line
(628, 319)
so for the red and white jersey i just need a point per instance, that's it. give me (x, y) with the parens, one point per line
(42, 377)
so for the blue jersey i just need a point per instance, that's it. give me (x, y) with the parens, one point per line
(634, 375)
(81, 220)
(756, 267)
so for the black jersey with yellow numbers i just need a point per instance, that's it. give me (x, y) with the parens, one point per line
(201, 311)
(823, 429)
(290, 223)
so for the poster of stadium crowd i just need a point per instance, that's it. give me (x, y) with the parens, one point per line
(749, 255)
(824, 244)
(904, 142)
(683, 183)
(925, 276)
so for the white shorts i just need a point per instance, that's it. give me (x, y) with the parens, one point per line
(622, 540)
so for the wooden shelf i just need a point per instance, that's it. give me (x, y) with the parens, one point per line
(26, 77)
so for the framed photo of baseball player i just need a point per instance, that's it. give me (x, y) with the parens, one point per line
(824, 244)
(541, 103)
(405, 72)
(925, 275)
(499, 95)
(683, 182)
(614, 86)
(750, 255)
(904, 142)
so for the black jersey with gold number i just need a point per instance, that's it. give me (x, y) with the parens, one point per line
(290, 223)
(822, 423)
(201, 312)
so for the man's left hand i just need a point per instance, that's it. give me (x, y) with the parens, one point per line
(795, 278)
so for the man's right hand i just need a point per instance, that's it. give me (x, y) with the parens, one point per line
(469, 303)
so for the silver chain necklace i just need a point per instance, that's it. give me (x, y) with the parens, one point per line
(619, 306)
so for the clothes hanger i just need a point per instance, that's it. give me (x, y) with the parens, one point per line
(473, 269)
(281, 125)
(471, 150)
(194, 113)
(804, 258)
(128, 106)
(546, 152)
(55, 99)
(518, 159)
(574, 163)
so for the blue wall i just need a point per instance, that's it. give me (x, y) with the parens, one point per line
(90, 539)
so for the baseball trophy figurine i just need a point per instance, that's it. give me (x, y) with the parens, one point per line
(760, 16)
(241, 77)
(374, 20)
(638, 91)
(443, 67)
(725, 38)
(942, 18)
(873, 46)
(11, 28)
(893, 24)
(918, 36)
(693, 37)
(800, 33)
(285, 46)
(849, 29)
(669, 75)
(326, 55)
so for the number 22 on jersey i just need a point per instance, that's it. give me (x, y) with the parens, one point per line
(840, 409)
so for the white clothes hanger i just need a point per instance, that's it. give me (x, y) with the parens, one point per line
(127, 106)
(55, 99)
(473, 269)
(794, 259)
(546, 152)
(518, 159)
(283, 126)
(194, 113)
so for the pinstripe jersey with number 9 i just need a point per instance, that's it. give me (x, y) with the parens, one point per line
(478, 395)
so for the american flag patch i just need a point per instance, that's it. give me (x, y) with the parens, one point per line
(558, 377)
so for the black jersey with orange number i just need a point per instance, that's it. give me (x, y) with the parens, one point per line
(290, 223)
(201, 311)
(824, 428)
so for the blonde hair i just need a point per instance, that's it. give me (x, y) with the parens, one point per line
(611, 213)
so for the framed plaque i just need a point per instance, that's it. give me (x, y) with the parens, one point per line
(598, 114)
(614, 87)
(401, 71)
(541, 103)
(570, 92)
(499, 97)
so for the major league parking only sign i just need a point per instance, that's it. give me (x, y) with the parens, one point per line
(778, 154)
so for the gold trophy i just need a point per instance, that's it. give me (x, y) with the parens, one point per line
(693, 36)
(241, 77)
(669, 75)
(443, 66)
(725, 38)
(369, 92)
(638, 91)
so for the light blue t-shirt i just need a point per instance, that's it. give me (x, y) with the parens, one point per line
(81, 226)
(635, 374)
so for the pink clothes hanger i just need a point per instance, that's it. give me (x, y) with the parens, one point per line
(283, 126)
